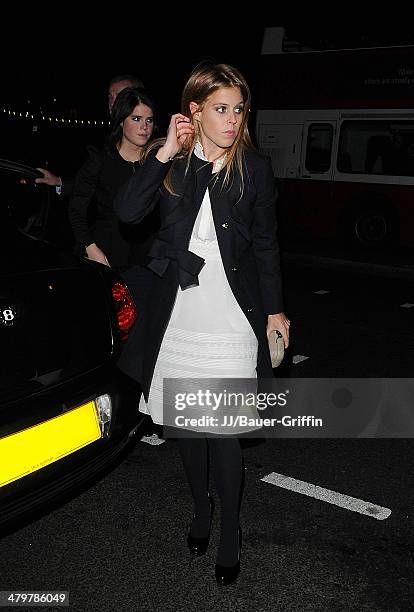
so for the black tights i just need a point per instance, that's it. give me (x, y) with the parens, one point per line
(227, 467)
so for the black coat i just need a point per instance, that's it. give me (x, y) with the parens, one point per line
(92, 214)
(246, 234)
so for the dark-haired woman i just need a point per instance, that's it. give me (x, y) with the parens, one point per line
(98, 232)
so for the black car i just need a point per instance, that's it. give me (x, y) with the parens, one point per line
(65, 409)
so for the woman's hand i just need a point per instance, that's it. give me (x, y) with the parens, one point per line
(49, 178)
(179, 130)
(279, 322)
(94, 252)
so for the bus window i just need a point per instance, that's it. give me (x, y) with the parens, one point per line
(319, 148)
(377, 147)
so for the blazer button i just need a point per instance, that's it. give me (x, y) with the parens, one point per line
(234, 269)
(225, 225)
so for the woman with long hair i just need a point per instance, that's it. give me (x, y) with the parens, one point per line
(98, 233)
(216, 295)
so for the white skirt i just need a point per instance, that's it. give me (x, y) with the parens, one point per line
(208, 335)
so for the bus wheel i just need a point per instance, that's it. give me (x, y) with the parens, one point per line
(373, 227)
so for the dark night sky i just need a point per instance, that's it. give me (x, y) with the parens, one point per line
(75, 66)
(60, 54)
(75, 61)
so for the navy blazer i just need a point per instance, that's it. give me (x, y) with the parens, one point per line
(246, 234)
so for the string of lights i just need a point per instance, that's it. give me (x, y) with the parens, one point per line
(14, 114)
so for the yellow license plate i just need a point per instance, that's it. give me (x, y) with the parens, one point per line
(32, 449)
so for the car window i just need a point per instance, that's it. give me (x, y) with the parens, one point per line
(383, 147)
(319, 148)
(25, 203)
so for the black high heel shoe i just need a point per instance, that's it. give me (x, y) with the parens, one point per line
(198, 546)
(228, 574)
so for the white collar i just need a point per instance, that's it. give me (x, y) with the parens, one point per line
(199, 152)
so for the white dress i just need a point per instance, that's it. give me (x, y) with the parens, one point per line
(208, 335)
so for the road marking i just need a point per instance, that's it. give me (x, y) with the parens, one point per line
(406, 305)
(154, 440)
(321, 292)
(332, 497)
(298, 358)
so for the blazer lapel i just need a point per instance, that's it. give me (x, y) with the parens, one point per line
(194, 185)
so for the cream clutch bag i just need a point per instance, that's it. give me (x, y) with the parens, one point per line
(277, 348)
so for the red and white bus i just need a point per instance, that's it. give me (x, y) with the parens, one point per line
(339, 128)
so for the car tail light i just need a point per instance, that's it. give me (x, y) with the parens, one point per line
(125, 309)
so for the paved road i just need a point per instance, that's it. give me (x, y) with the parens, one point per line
(349, 322)
(120, 545)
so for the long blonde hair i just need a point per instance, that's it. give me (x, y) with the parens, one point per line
(204, 80)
